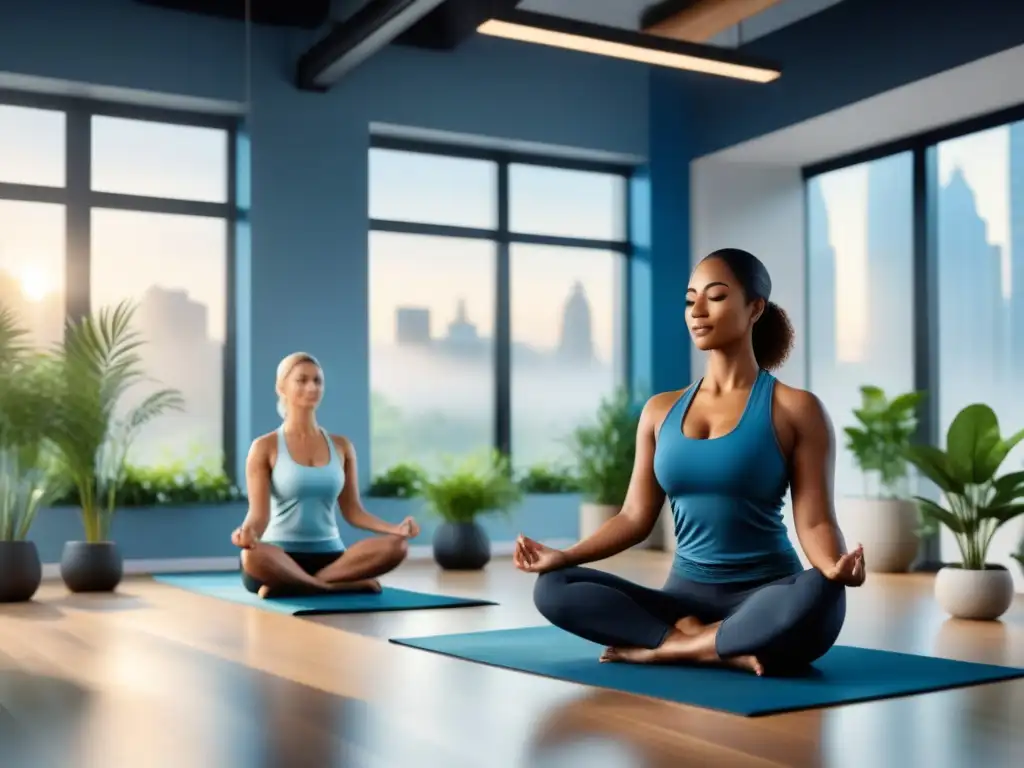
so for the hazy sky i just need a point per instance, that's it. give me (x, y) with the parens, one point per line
(435, 273)
(132, 251)
(846, 195)
(984, 159)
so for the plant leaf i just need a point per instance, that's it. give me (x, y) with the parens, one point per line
(934, 464)
(1002, 514)
(1000, 451)
(1007, 488)
(930, 509)
(970, 441)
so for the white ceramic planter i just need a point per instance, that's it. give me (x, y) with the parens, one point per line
(886, 527)
(593, 516)
(980, 595)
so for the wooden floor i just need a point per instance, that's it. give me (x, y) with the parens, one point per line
(154, 677)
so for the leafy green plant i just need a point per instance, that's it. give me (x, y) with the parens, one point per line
(541, 478)
(605, 450)
(27, 479)
(170, 483)
(400, 481)
(977, 502)
(880, 442)
(477, 485)
(99, 364)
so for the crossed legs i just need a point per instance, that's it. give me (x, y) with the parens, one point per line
(786, 624)
(276, 573)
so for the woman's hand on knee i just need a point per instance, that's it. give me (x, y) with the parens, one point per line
(243, 538)
(849, 569)
(533, 557)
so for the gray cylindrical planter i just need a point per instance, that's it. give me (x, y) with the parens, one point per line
(88, 567)
(21, 571)
(461, 546)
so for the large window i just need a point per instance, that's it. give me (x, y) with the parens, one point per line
(916, 279)
(860, 283)
(100, 203)
(496, 302)
(979, 256)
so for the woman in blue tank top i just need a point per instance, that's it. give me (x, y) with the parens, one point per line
(723, 451)
(298, 477)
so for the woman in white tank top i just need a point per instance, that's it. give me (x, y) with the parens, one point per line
(298, 478)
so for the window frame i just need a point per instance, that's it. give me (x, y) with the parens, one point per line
(503, 238)
(78, 199)
(925, 185)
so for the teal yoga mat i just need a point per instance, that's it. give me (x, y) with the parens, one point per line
(843, 676)
(228, 586)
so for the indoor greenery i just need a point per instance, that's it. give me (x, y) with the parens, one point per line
(977, 502)
(169, 483)
(476, 485)
(400, 481)
(542, 478)
(605, 449)
(93, 423)
(27, 479)
(880, 441)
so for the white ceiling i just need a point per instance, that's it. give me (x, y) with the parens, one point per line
(978, 88)
(626, 14)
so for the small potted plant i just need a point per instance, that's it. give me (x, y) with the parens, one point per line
(604, 452)
(885, 520)
(977, 503)
(93, 429)
(478, 485)
(545, 479)
(401, 481)
(27, 481)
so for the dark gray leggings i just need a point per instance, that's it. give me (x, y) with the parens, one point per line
(788, 622)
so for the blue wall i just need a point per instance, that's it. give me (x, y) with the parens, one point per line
(849, 52)
(306, 276)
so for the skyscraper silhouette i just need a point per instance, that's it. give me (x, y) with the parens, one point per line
(576, 344)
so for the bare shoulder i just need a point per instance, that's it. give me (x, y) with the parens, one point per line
(342, 444)
(263, 450)
(802, 410)
(657, 407)
(264, 444)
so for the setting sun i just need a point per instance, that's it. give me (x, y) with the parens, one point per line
(35, 283)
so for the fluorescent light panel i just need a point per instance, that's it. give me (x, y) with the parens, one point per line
(535, 29)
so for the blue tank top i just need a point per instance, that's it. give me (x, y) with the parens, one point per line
(304, 502)
(727, 494)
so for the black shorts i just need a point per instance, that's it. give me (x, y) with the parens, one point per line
(310, 562)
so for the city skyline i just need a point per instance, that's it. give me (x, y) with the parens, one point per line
(860, 237)
(435, 273)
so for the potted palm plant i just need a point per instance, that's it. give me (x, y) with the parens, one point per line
(604, 452)
(977, 504)
(480, 484)
(93, 429)
(26, 480)
(885, 520)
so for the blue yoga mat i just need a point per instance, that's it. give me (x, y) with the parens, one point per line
(843, 676)
(228, 586)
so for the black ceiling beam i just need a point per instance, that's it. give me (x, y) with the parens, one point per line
(446, 27)
(354, 40)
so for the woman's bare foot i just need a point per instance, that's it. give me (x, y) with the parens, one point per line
(682, 648)
(361, 585)
(689, 625)
(293, 590)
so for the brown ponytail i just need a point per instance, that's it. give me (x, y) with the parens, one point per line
(772, 337)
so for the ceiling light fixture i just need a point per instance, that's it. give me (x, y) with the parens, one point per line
(543, 29)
